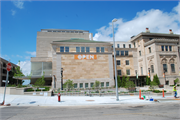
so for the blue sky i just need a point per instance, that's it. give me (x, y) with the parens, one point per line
(20, 21)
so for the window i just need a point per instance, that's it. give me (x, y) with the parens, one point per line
(82, 49)
(81, 85)
(165, 67)
(124, 46)
(149, 49)
(102, 84)
(127, 62)
(139, 53)
(77, 49)
(122, 53)
(150, 38)
(167, 82)
(128, 71)
(102, 49)
(118, 62)
(107, 84)
(162, 48)
(97, 49)
(166, 47)
(86, 85)
(117, 53)
(119, 72)
(66, 49)
(170, 48)
(92, 84)
(61, 49)
(117, 45)
(129, 45)
(152, 68)
(141, 70)
(126, 53)
(87, 49)
(4, 65)
(172, 68)
(112, 46)
(134, 44)
(75, 85)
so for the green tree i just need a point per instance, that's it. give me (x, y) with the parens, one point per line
(129, 84)
(68, 84)
(148, 80)
(40, 81)
(176, 81)
(153, 84)
(123, 81)
(119, 81)
(96, 84)
(156, 79)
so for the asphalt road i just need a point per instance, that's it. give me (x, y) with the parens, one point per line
(159, 111)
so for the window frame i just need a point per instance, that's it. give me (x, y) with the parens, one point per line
(139, 53)
(127, 72)
(119, 71)
(149, 49)
(166, 48)
(77, 49)
(123, 53)
(152, 68)
(67, 48)
(61, 49)
(118, 53)
(166, 68)
(118, 61)
(102, 49)
(87, 49)
(124, 45)
(126, 53)
(82, 49)
(127, 62)
(97, 48)
(172, 69)
(170, 48)
(162, 47)
(129, 45)
(117, 45)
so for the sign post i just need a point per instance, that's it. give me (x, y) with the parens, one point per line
(8, 68)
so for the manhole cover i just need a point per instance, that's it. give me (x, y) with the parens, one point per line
(89, 100)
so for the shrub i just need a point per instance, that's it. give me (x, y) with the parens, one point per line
(148, 81)
(156, 79)
(68, 84)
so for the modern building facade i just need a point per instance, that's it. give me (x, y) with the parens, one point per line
(84, 60)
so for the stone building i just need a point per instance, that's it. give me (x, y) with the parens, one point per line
(84, 60)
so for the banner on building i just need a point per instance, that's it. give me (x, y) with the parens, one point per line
(85, 57)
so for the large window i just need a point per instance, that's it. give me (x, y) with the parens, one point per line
(166, 47)
(92, 84)
(87, 49)
(149, 49)
(86, 85)
(82, 49)
(107, 84)
(129, 45)
(124, 46)
(170, 48)
(75, 85)
(162, 48)
(152, 68)
(66, 49)
(102, 84)
(81, 85)
(122, 53)
(117, 45)
(126, 53)
(77, 49)
(119, 72)
(127, 62)
(172, 68)
(102, 49)
(40, 68)
(118, 62)
(61, 49)
(117, 53)
(97, 49)
(139, 53)
(128, 72)
(165, 67)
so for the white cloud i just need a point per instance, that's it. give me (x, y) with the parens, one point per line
(19, 56)
(25, 67)
(19, 4)
(156, 20)
(13, 12)
(31, 53)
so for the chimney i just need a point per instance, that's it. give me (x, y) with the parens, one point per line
(147, 30)
(170, 31)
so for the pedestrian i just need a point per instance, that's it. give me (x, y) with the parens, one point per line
(175, 91)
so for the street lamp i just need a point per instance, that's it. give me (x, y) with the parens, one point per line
(149, 73)
(117, 97)
(61, 78)
(136, 77)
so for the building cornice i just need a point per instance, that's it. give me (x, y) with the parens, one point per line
(160, 41)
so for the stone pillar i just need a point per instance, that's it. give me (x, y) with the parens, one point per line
(58, 71)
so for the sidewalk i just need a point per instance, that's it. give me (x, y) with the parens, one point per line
(25, 100)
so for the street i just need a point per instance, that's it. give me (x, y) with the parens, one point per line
(158, 111)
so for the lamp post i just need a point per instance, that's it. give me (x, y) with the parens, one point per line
(117, 97)
(164, 77)
(61, 78)
(149, 73)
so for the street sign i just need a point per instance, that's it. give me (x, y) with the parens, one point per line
(4, 81)
(8, 67)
